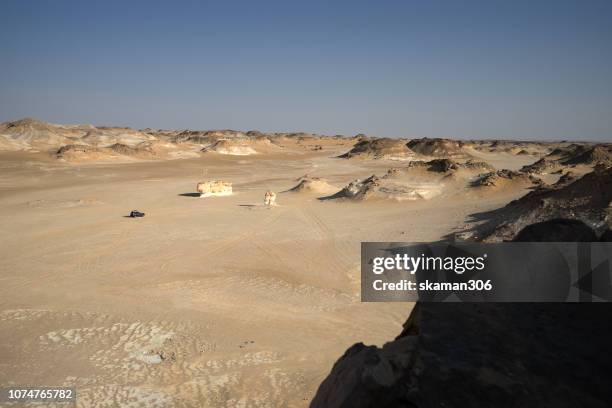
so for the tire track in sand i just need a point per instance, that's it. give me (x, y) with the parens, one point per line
(327, 236)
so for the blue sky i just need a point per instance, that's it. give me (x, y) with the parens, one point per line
(465, 69)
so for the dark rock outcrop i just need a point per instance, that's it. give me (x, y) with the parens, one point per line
(144, 149)
(494, 178)
(76, 149)
(450, 355)
(599, 154)
(207, 136)
(437, 147)
(481, 355)
(379, 149)
(586, 199)
(557, 230)
(446, 165)
(541, 166)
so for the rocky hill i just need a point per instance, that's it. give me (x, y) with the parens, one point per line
(586, 199)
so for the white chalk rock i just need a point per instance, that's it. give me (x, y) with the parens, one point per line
(270, 198)
(214, 188)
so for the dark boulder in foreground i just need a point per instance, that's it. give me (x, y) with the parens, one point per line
(485, 354)
(557, 230)
(482, 355)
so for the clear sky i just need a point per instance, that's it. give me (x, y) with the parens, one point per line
(466, 69)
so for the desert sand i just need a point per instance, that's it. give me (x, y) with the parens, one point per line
(217, 301)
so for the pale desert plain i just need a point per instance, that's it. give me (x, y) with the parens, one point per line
(223, 301)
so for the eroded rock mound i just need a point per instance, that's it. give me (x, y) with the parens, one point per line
(214, 188)
(500, 177)
(599, 154)
(33, 134)
(78, 151)
(231, 147)
(436, 165)
(437, 147)
(541, 166)
(571, 156)
(447, 165)
(568, 151)
(82, 152)
(565, 179)
(27, 125)
(586, 199)
(374, 187)
(207, 136)
(384, 148)
(141, 150)
(313, 185)
(358, 189)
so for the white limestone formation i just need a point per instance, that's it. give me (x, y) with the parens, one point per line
(270, 198)
(214, 188)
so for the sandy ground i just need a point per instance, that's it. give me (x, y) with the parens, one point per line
(204, 302)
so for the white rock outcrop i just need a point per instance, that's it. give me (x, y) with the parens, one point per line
(214, 188)
(270, 198)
